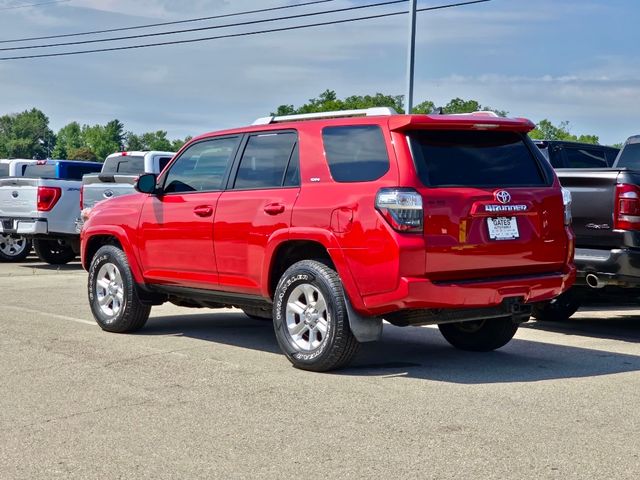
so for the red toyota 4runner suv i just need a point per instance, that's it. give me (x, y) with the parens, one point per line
(329, 223)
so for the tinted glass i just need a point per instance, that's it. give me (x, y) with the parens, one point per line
(202, 166)
(75, 172)
(611, 154)
(630, 157)
(474, 158)
(124, 165)
(4, 169)
(265, 160)
(292, 178)
(355, 153)
(163, 162)
(585, 158)
(40, 171)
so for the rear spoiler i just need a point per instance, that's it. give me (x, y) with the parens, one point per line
(476, 121)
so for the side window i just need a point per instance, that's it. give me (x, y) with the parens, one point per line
(585, 158)
(265, 160)
(202, 166)
(163, 162)
(355, 153)
(292, 178)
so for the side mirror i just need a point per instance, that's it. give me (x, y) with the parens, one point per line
(146, 183)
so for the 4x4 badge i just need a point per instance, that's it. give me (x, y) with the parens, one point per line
(503, 196)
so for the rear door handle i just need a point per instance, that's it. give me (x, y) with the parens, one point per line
(203, 211)
(274, 209)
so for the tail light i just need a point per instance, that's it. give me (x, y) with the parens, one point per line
(81, 197)
(627, 207)
(48, 197)
(566, 202)
(401, 208)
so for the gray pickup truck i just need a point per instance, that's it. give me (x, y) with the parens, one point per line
(119, 173)
(606, 222)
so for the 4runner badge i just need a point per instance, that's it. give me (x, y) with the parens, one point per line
(504, 197)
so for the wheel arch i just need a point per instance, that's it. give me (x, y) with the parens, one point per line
(92, 241)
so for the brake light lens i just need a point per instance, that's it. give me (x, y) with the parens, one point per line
(48, 197)
(401, 208)
(566, 202)
(627, 208)
(81, 197)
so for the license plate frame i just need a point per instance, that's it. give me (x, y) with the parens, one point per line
(503, 228)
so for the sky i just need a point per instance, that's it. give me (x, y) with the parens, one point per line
(564, 60)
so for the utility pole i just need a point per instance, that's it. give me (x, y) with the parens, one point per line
(411, 53)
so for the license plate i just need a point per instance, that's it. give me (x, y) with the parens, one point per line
(503, 228)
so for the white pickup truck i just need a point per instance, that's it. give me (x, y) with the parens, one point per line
(118, 174)
(14, 248)
(43, 205)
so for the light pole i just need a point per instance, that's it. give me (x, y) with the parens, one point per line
(411, 53)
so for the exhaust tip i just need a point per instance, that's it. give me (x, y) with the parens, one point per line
(594, 282)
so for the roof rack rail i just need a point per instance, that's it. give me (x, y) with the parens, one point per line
(486, 113)
(363, 112)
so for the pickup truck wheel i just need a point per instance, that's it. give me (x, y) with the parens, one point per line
(113, 296)
(479, 335)
(310, 318)
(14, 248)
(559, 309)
(54, 252)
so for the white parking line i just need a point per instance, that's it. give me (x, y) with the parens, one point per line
(53, 315)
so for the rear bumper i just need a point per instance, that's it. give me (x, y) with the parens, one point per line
(28, 227)
(420, 293)
(618, 266)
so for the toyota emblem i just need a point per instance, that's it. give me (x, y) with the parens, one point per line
(503, 196)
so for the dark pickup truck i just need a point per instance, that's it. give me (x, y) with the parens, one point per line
(606, 222)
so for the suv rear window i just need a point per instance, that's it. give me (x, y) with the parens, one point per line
(124, 165)
(4, 169)
(474, 158)
(355, 153)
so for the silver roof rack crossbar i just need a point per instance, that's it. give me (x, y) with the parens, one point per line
(487, 113)
(364, 112)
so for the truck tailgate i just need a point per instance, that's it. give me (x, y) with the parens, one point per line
(18, 197)
(100, 187)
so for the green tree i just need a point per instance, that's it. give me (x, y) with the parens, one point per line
(425, 107)
(178, 144)
(458, 105)
(156, 140)
(103, 140)
(328, 101)
(69, 138)
(545, 130)
(26, 135)
(82, 153)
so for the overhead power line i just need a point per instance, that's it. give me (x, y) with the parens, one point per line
(244, 34)
(41, 4)
(201, 29)
(164, 24)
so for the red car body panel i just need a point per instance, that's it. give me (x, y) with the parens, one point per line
(451, 265)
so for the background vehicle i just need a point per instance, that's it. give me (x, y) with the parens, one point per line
(328, 225)
(606, 222)
(43, 206)
(119, 173)
(13, 248)
(562, 154)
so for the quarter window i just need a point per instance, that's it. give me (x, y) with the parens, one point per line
(585, 158)
(202, 166)
(265, 160)
(355, 153)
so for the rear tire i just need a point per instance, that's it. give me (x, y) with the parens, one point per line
(113, 294)
(54, 252)
(14, 248)
(479, 335)
(560, 309)
(310, 318)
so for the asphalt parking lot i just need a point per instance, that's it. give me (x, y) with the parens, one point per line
(206, 394)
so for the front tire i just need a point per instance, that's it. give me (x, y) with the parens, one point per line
(54, 252)
(310, 318)
(479, 335)
(113, 296)
(14, 248)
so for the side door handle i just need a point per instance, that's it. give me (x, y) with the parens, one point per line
(274, 208)
(203, 211)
